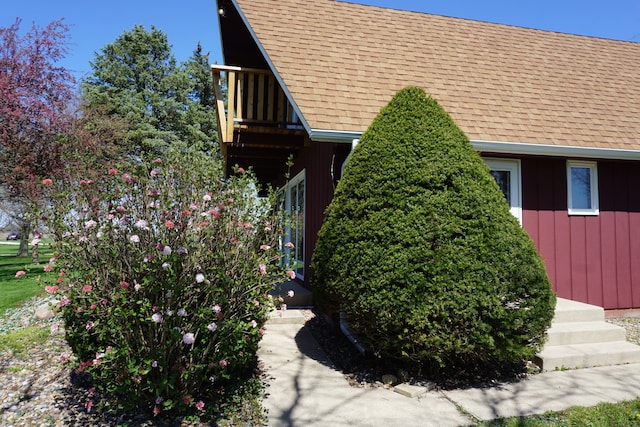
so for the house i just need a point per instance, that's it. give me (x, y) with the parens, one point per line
(555, 116)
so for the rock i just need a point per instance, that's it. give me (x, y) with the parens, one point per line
(410, 390)
(44, 312)
(389, 379)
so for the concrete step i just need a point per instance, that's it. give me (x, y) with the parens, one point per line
(579, 337)
(286, 317)
(574, 311)
(587, 355)
(302, 297)
(569, 333)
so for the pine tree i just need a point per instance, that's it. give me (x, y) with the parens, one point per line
(137, 78)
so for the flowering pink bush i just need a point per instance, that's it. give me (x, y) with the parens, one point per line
(164, 269)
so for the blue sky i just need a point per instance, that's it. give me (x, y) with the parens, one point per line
(95, 24)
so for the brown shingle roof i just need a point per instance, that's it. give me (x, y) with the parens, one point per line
(342, 62)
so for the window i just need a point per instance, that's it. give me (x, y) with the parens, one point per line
(292, 199)
(582, 187)
(506, 172)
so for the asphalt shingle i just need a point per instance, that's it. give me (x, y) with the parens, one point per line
(342, 62)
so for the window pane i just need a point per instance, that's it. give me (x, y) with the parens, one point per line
(503, 178)
(580, 188)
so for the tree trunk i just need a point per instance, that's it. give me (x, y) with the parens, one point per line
(23, 249)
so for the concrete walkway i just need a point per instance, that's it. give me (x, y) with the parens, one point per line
(304, 389)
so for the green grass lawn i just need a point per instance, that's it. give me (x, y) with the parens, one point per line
(602, 415)
(14, 291)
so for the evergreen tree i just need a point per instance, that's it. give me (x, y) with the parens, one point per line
(202, 126)
(137, 78)
(419, 249)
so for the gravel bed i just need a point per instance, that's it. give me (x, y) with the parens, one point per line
(631, 326)
(38, 390)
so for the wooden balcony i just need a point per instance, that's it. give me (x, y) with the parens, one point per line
(257, 125)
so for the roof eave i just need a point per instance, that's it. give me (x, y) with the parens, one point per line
(517, 148)
(326, 135)
(555, 150)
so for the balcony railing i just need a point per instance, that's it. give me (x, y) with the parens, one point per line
(254, 100)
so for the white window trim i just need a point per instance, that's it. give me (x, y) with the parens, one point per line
(593, 176)
(288, 208)
(512, 166)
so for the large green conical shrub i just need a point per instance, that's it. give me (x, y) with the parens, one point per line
(419, 249)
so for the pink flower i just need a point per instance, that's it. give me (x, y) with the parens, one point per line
(200, 405)
(186, 399)
(47, 181)
(188, 338)
(240, 170)
(63, 302)
(212, 326)
(254, 324)
(47, 268)
(87, 288)
(290, 293)
(88, 405)
(216, 308)
(291, 274)
(51, 289)
(223, 363)
(124, 285)
(157, 318)
(20, 273)
(157, 160)
(206, 197)
(134, 239)
(263, 269)
(89, 325)
(265, 247)
(289, 245)
(113, 171)
(170, 225)
(155, 172)
(54, 328)
(156, 410)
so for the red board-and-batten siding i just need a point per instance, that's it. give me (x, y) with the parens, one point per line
(593, 259)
